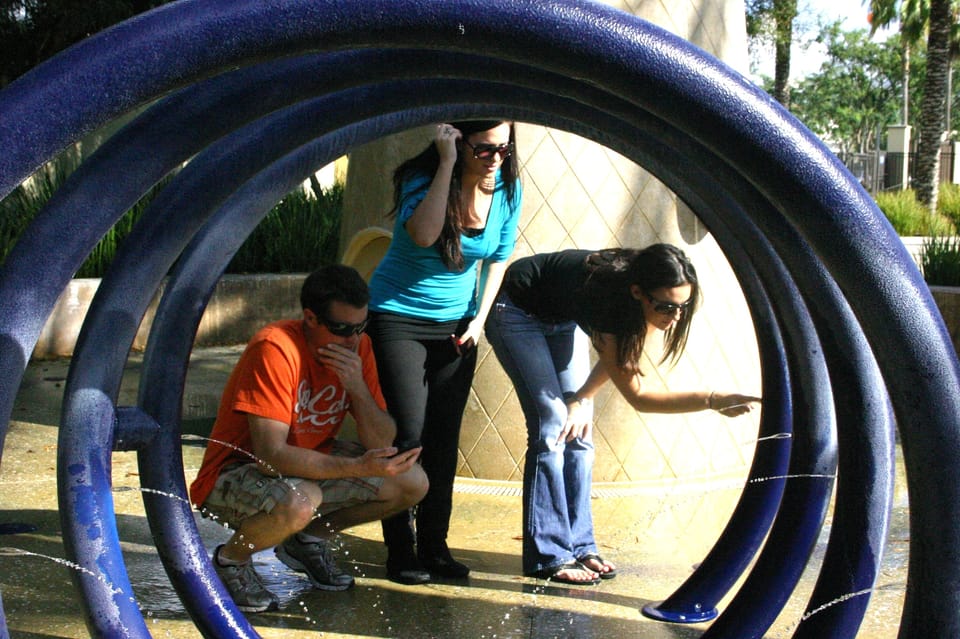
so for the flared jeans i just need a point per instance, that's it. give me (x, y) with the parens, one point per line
(547, 363)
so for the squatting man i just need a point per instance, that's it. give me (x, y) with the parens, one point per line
(275, 471)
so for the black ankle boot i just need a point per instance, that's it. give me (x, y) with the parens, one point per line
(437, 559)
(403, 566)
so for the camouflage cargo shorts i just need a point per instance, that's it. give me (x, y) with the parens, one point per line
(242, 490)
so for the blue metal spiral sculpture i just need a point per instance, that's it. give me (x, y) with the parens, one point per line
(851, 341)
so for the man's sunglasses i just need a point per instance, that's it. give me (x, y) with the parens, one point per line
(487, 151)
(668, 308)
(342, 329)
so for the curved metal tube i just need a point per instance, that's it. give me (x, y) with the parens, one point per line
(649, 69)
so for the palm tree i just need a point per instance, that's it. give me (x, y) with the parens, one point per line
(913, 25)
(784, 13)
(776, 16)
(939, 18)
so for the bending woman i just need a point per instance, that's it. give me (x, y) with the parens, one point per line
(619, 298)
(457, 204)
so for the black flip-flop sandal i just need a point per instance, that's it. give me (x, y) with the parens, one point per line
(552, 574)
(610, 574)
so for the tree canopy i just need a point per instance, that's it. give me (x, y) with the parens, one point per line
(855, 92)
(33, 30)
(773, 21)
(939, 19)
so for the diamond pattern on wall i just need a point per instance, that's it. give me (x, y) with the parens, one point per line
(627, 207)
(578, 194)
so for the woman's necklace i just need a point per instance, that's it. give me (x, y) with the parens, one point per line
(475, 211)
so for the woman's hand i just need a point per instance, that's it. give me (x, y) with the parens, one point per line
(426, 223)
(732, 404)
(579, 422)
(468, 339)
(446, 142)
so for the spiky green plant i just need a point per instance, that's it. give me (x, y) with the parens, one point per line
(21, 205)
(940, 260)
(299, 234)
(948, 202)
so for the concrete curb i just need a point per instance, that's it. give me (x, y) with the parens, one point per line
(239, 306)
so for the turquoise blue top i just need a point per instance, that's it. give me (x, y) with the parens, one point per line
(413, 281)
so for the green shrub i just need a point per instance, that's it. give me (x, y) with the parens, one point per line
(908, 217)
(103, 253)
(948, 202)
(19, 208)
(940, 261)
(300, 234)
(22, 204)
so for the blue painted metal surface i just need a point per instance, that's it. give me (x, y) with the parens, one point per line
(632, 66)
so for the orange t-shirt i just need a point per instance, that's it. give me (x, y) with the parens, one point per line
(277, 378)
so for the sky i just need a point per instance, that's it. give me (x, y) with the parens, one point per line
(853, 13)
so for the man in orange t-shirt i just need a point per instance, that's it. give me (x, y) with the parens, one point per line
(273, 469)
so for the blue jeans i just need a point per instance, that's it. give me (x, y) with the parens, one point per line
(547, 363)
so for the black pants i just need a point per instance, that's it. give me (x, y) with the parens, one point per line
(426, 385)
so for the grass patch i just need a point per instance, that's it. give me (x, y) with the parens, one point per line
(948, 202)
(910, 218)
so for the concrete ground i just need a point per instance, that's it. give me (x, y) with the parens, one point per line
(655, 534)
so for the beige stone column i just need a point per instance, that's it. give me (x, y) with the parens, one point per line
(368, 195)
(581, 194)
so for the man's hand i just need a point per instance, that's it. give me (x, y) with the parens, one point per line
(387, 462)
(346, 364)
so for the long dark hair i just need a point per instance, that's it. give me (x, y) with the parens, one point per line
(607, 290)
(426, 163)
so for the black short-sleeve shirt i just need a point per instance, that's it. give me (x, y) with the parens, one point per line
(548, 285)
(554, 288)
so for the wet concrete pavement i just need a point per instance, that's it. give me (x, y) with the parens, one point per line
(655, 534)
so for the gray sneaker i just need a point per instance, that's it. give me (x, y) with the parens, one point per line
(245, 586)
(316, 560)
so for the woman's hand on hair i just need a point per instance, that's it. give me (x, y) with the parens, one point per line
(733, 404)
(446, 142)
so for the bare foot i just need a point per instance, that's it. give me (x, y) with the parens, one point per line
(599, 565)
(575, 575)
(571, 572)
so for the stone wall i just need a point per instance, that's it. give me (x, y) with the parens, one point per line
(240, 305)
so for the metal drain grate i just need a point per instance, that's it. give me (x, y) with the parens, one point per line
(478, 487)
(472, 486)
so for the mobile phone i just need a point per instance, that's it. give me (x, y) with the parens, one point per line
(406, 444)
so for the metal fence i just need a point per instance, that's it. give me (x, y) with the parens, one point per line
(868, 168)
(882, 170)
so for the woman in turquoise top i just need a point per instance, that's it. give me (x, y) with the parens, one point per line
(457, 204)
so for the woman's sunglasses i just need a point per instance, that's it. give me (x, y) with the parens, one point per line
(487, 151)
(342, 329)
(668, 308)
